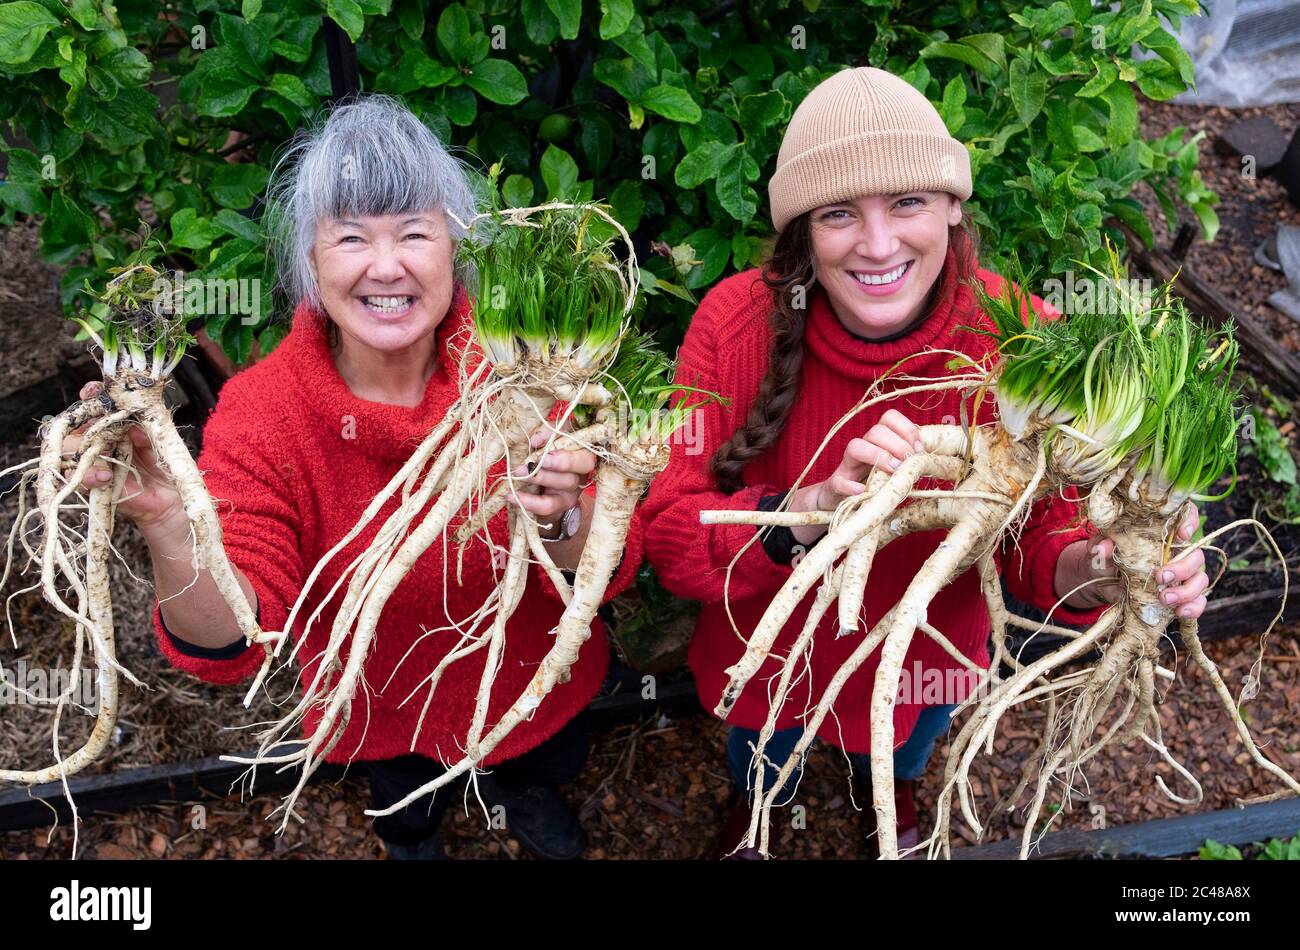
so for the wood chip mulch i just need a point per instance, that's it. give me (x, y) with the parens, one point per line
(1250, 209)
(657, 788)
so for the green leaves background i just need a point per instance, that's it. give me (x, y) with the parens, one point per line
(671, 112)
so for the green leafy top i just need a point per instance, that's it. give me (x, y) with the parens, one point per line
(135, 320)
(642, 374)
(548, 287)
(1130, 381)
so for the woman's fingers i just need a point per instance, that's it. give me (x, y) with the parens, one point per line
(842, 487)
(546, 431)
(891, 447)
(555, 485)
(91, 389)
(859, 458)
(1186, 592)
(553, 481)
(1192, 610)
(1180, 569)
(572, 465)
(545, 507)
(1183, 579)
(885, 445)
(862, 455)
(581, 461)
(904, 428)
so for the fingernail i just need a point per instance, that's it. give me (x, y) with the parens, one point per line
(1167, 576)
(918, 446)
(103, 476)
(1168, 597)
(546, 459)
(521, 470)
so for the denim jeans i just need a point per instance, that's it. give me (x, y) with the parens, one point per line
(557, 761)
(909, 761)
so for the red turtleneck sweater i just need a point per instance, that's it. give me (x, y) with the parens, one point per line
(727, 350)
(293, 458)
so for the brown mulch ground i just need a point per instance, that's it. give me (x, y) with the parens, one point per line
(657, 788)
(654, 788)
(1249, 209)
(33, 334)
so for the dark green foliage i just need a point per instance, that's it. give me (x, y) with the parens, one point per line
(674, 116)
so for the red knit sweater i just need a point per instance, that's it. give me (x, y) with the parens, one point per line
(293, 458)
(727, 350)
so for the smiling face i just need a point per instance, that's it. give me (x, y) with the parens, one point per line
(879, 255)
(386, 280)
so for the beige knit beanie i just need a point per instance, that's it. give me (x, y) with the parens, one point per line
(864, 131)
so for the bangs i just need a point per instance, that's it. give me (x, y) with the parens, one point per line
(370, 157)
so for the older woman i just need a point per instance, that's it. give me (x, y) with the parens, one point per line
(867, 270)
(302, 441)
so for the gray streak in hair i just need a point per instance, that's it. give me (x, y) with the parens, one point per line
(370, 156)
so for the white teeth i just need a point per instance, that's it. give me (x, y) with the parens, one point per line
(387, 303)
(889, 278)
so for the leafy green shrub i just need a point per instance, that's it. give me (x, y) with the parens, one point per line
(1044, 97)
(1271, 448)
(673, 112)
(1277, 849)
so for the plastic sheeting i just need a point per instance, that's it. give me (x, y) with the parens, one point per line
(1246, 53)
(1286, 245)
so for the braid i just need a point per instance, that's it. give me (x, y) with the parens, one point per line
(788, 271)
(791, 268)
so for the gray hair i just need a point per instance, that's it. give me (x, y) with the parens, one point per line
(370, 156)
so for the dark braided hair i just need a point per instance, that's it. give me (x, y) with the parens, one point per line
(789, 269)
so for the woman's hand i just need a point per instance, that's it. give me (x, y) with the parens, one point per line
(1181, 582)
(554, 486)
(886, 444)
(148, 498)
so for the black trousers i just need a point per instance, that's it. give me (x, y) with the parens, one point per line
(558, 760)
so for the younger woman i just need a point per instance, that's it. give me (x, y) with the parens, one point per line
(868, 269)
